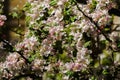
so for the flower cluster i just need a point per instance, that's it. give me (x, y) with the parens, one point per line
(2, 17)
(11, 66)
(1, 6)
(62, 38)
(2, 20)
(27, 45)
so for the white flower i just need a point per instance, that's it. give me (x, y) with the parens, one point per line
(37, 64)
(3, 17)
(60, 2)
(114, 35)
(30, 1)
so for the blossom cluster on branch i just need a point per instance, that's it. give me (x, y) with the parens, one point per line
(2, 20)
(2, 17)
(65, 40)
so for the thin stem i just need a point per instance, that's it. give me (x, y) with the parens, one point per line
(20, 53)
(91, 20)
(31, 75)
(12, 50)
(112, 55)
(17, 32)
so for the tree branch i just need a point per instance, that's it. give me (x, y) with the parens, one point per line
(11, 49)
(91, 20)
(31, 75)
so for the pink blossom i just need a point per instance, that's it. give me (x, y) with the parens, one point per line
(2, 19)
(1, 23)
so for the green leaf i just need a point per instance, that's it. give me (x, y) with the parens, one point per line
(53, 2)
(14, 15)
(32, 58)
(59, 76)
(27, 19)
(93, 78)
(64, 57)
(27, 7)
(118, 43)
(107, 61)
(88, 43)
(93, 5)
(105, 72)
(73, 18)
(107, 29)
(69, 73)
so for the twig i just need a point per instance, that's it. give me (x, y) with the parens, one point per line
(20, 53)
(31, 75)
(91, 20)
(17, 32)
(12, 50)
